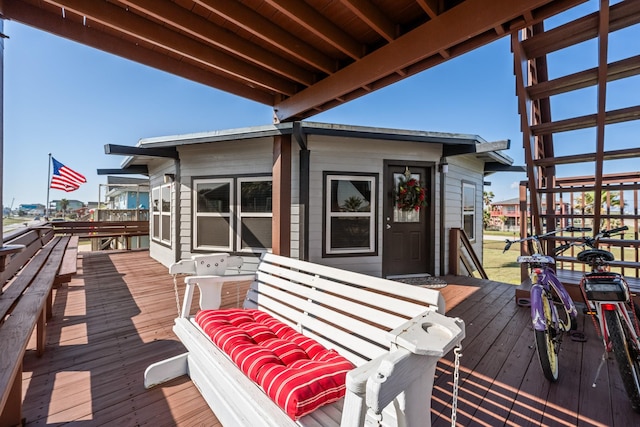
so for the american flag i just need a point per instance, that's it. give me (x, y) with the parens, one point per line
(64, 178)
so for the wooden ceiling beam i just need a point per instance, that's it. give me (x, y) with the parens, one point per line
(28, 14)
(309, 19)
(373, 17)
(259, 26)
(133, 25)
(430, 7)
(410, 48)
(199, 27)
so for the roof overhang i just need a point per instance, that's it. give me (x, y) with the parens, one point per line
(300, 57)
(453, 143)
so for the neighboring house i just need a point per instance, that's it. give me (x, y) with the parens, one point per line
(505, 215)
(127, 193)
(72, 205)
(31, 209)
(315, 191)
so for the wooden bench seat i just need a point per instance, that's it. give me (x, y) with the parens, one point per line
(394, 333)
(24, 305)
(69, 265)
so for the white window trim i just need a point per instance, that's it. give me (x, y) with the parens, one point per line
(328, 215)
(230, 215)
(161, 213)
(472, 214)
(240, 214)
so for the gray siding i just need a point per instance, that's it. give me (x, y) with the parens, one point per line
(157, 168)
(463, 169)
(352, 155)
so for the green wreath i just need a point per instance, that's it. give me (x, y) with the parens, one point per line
(410, 194)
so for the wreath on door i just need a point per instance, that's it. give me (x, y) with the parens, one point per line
(410, 193)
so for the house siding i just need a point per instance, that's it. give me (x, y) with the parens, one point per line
(349, 155)
(463, 170)
(341, 154)
(157, 168)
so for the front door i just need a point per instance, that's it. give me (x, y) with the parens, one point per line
(405, 232)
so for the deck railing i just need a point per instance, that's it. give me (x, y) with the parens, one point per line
(573, 199)
(461, 253)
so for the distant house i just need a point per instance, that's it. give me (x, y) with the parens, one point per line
(73, 205)
(321, 192)
(127, 193)
(505, 215)
(31, 209)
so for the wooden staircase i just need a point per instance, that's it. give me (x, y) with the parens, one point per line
(555, 193)
(536, 92)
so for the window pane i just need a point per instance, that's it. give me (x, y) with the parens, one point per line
(213, 231)
(256, 233)
(166, 199)
(350, 232)
(166, 227)
(155, 195)
(468, 198)
(213, 197)
(350, 196)
(255, 196)
(468, 225)
(156, 227)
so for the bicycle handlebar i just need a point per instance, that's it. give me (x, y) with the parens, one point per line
(570, 229)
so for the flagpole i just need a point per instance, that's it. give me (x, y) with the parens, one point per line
(46, 208)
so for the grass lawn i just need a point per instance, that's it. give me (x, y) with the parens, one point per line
(501, 267)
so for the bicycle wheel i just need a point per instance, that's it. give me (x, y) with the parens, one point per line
(546, 343)
(626, 357)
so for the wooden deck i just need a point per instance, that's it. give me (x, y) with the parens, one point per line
(115, 316)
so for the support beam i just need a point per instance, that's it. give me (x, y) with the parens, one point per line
(603, 44)
(281, 223)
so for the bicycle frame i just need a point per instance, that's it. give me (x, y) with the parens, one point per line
(546, 279)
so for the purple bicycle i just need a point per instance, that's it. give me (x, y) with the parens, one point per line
(553, 312)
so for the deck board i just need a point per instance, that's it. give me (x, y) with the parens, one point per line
(114, 318)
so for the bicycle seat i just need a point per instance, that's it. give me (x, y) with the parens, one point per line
(590, 254)
(536, 259)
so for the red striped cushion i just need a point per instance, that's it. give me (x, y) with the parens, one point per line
(295, 371)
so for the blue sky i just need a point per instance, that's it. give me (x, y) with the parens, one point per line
(70, 100)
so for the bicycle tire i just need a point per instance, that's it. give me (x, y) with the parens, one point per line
(628, 366)
(545, 342)
(567, 321)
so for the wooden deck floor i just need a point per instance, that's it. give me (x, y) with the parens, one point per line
(115, 317)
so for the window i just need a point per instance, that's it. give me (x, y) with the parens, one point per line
(350, 214)
(161, 214)
(221, 223)
(254, 213)
(469, 209)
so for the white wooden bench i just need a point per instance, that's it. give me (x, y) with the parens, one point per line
(394, 333)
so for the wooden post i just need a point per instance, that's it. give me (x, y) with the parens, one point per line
(454, 251)
(11, 415)
(281, 222)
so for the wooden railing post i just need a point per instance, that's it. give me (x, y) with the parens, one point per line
(454, 251)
